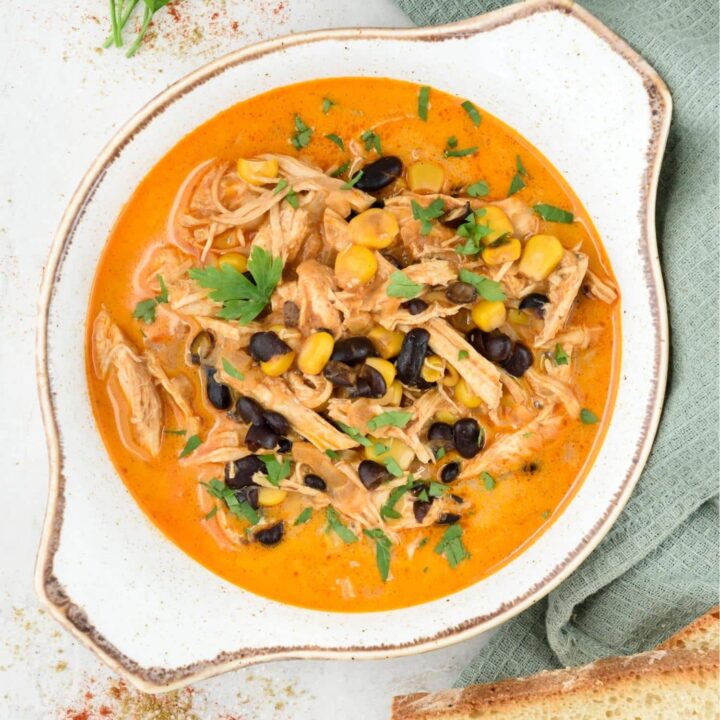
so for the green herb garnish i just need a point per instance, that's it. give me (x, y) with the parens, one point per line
(478, 189)
(343, 168)
(292, 199)
(588, 417)
(242, 300)
(423, 543)
(440, 453)
(212, 513)
(332, 454)
(401, 286)
(488, 480)
(231, 370)
(393, 468)
(452, 142)
(145, 309)
(423, 97)
(174, 432)
(352, 181)
(486, 288)
(425, 214)
(119, 16)
(382, 550)
(545, 514)
(281, 185)
(332, 137)
(473, 232)
(303, 135)
(459, 152)
(561, 357)
(472, 111)
(277, 470)
(553, 214)
(463, 355)
(380, 448)
(372, 140)
(337, 526)
(192, 444)
(327, 103)
(451, 545)
(239, 508)
(304, 516)
(437, 489)
(355, 434)
(392, 418)
(388, 509)
(517, 183)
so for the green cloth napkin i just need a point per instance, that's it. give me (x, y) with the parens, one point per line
(657, 569)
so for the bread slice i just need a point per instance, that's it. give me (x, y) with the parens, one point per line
(680, 679)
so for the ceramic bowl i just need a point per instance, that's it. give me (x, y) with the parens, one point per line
(573, 89)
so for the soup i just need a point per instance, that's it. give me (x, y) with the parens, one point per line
(352, 344)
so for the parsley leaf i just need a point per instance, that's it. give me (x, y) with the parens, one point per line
(478, 189)
(338, 527)
(382, 550)
(327, 103)
(401, 286)
(425, 214)
(192, 444)
(242, 300)
(463, 355)
(451, 545)
(332, 137)
(356, 435)
(488, 480)
(231, 370)
(588, 417)
(392, 418)
(304, 516)
(388, 509)
(303, 135)
(372, 140)
(561, 357)
(423, 97)
(145, 309)
(352, 181)
(276, 469)
(553, 214)
(486, 288)
(342, 169)
(472, 111)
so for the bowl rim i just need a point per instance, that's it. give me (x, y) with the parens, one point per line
(48, 588)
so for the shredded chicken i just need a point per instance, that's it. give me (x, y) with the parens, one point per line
(554, 390)
(602, 290)
(316, 297)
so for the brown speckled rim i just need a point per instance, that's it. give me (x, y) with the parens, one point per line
(158, 679)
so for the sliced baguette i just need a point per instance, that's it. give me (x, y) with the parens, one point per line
(657, 685)
(703, 635)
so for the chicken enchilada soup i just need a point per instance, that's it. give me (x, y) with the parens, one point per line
(352, 343)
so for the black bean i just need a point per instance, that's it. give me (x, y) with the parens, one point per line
(260, 436)
(272, 535)
(353, 350)
(339, 374)
(372, 474)
(284, 445)
(530, 468)
(249, 410)
(412, 355)
(276, 422)
(460, 293)
(450, 472)
(291, 314)
(370, 383)
(421, 509)
(520, 360)
(417, 488)
(379, 203)
(469, 437)
(379, 174)
(315, 482)
(462, 320)
(201, 346)
(448, 519)
(266, 345)
(456, 217)
(217, 393)
(457, 499)
(494, 346)
(392, 260)
(440, 433)
(249, 494)
(535, 302)
(240, 472)
(415, 306)
(361, 389)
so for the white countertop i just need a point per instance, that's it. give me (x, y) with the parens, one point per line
(61, 99)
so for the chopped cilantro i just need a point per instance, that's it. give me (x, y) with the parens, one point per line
(212, 513)
(561, 357)
(437, 489)
(342, 169)
(327, 103)
(303, 135)
(459, 152)
(145, 309)
(333, 454)
(392, 467)
(292, 199)
(239, 508)
(423, 98)
(332, 137)
(440, 453)
(281, 185)
(463, 355)
(352, 181)
(451, 545)
(488, 480)
(192, 444)
(382, 550)
(478, 189)
(231, 370)
(588, 417)
(425, 214)
(473, 232)
(553, 214)
(393, 418)
(372, 141)
(355, 434)
(277, 470)
(452, 142)
(174, 432)
(304, 516)
(471, 110)
(517, 183)
(401, 286)
(338, 527)
(388, 509)
(486, 288)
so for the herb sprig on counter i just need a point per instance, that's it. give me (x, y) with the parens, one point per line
(119, 16)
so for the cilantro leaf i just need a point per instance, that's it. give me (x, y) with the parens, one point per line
(451, 545)
(463, 355)
(516, 184)
(423, 97)
(393, 467)
(338, 527)
(388, 509)
(401, 286)
(352, 181)
(231, 370)
(210, 515)
(488, 480)
(355, 434)
(392, 418)
(333, 454)
(588, 417)
(472, 111)
(332, 137)
(382, 550)
(292, 199)
(192, 444)
(519, 166)
(342, 169)
(486, 288)
(561, 357)
(372, 140)
(478, 189)
(281, 185)
(303, 135)
(304, 516)
(174, 432)
(460, 152)
(277, 470)
(239, 508)
(327, 103)
(437, 489)
(553, 214)
(145, 309)
(440, 453)
(474, 232)
(452, 142)
(425, 214)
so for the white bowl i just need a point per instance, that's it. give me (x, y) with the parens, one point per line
(573, 89)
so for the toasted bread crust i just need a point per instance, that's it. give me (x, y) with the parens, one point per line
(661, 667)
(702, 635)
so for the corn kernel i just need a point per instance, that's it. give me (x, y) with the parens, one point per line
(465, 396)
(425, 176)
(489, 315)
(257, 172)
(451, 377)
(498, 222)
(401, 453)
(432, 369)
(507, 252)
(394, 394)
(517, 317)
(445, 416)
(385, 368)
(387, 342)
(225, 240)
(540, 257)
(315, 353)
(235, 260)
(355, 265)
(269, 497)
(278, 364)
(374, 228)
